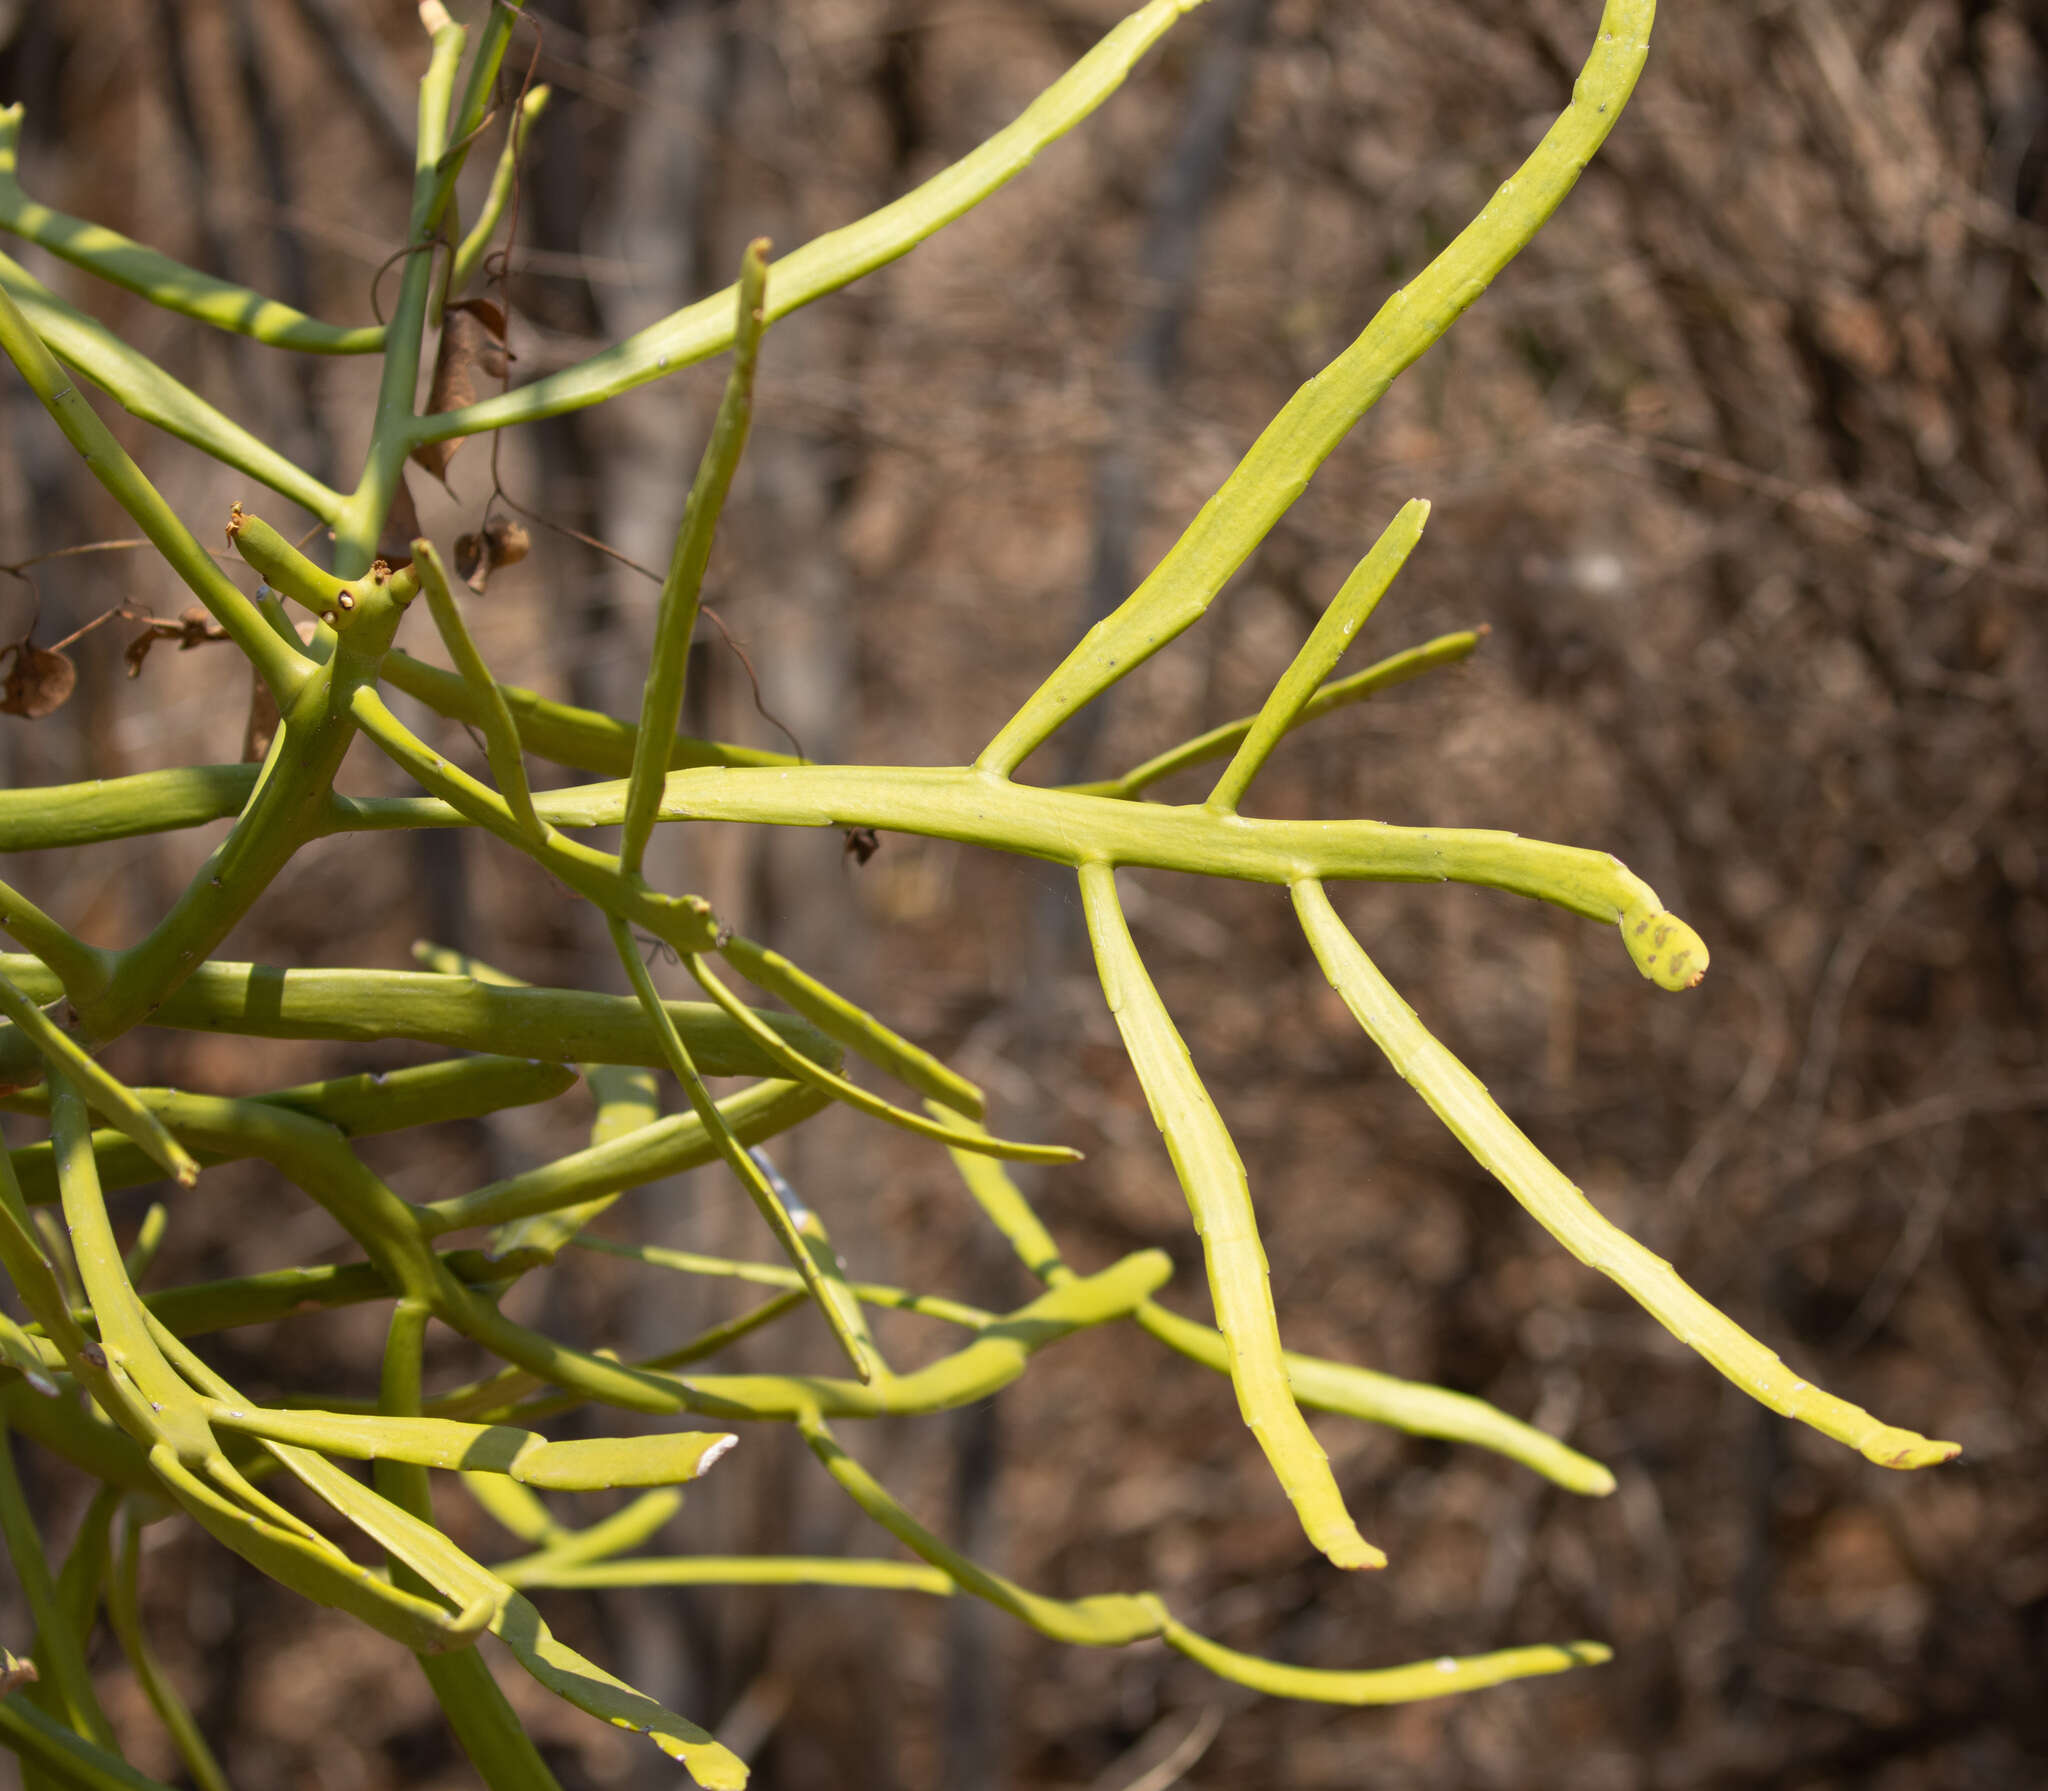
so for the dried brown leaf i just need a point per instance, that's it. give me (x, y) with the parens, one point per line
(472, 348)
(401, 526)
(193, 628)
(38, 680)
(504, 542)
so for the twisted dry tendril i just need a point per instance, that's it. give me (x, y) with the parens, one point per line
(162, 1431)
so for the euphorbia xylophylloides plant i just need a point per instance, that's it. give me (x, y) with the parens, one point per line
(110, 1379)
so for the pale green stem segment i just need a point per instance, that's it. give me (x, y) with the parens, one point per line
(110, 1098)
(829, 262)
(27, 1360)
(169, 285)
(675, 620)
(146, 391)
(589, 1464)
(486, 1601)
(683, 923)
(581, 738)
(66, 1678)
(124, 1617)
(374, 1102)
(366, 1006)
(1064, 826)
(75, 1432)
(82, 969)
(1281, 462)
(1213, 1178)
(501, 736)
(999, 1353)
(1108, 1620)
(360, 519)
(1458, 1098)
(1115, 1619)
(149, 1238)
(770, 1274)
(1384, 1685)
(1338, 1387)
(831, 1302)
(281, 668)
(45, 1743)
(667, 1147)
(131, 1378)
(556, 1544)
(794, 1063)
(477, 1709)
(469, 257)
(41, 1291)
(852, 1026)
(1003, 1202)
(57, 1247)
(830, 1266)
(713, 1339)
(960, 803)
(84, 1574)
(1358, 597)
(516, 1509)
(1415, 1407)
(199, 1307)
(1397, 668)
(627, 1102)
(477, 90)
(728, 1570)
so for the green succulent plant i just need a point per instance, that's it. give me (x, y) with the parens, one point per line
(110, 1378)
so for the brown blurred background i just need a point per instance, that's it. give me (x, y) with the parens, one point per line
(1742, 463)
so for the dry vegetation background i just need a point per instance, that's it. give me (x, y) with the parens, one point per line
(1742, 463)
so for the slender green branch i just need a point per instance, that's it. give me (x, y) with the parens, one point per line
(854, 1027)
(1458, 1098)
(793, 1063)
(675, 621)
(683, 923)
(1347, 613)
(581, 738)
(283, 670)
(170, 285)
(107, 1096)
(628, 1101)
(66, 1679)
(1398, 668)
(501, 737)
(360, 519)
(729, 1570)
(39, 1738)
(279, 818)
(263, 1001)
(379, 1101)
(963, 804)
(1384, 1685)
(1411, 1406)
(469, 257)
(82, 969)
(666, 1147)
(145, 390)
(124, 1617)
(838, 258)
(1281, 462)
(844, 1325)
(1219, 1197)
